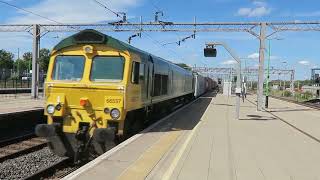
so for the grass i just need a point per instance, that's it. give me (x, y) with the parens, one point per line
(297, 96)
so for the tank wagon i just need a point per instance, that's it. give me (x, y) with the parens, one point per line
(200, 86)
(210, 84)
(100, 90)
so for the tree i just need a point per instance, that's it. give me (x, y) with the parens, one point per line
(27, 60)
(21, 65)
(6, 59)
(27, 56)
(44, 59)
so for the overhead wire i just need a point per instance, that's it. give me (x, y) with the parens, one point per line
(33, 13)
(157, 8)
(104, 6)
(147, 35)
(28, 11)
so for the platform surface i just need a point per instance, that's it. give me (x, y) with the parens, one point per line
(19, 103)
(204, 141)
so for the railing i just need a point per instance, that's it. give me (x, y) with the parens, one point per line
(18, 88)
(18, 83)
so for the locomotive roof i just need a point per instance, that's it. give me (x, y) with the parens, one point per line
(90, 36)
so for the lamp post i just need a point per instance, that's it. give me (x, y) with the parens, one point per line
(268, 71)
(210, 51)
(284, 81)
(268, 76)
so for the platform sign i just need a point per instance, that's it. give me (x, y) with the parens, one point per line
(210, 52)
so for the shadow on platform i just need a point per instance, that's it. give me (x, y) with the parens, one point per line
(288, 110)
(188, 117)
(258, 118)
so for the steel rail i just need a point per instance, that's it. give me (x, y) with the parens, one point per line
(21, 148)
(17, 139)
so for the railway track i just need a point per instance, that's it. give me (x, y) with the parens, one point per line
(19, 146)
(57, 170)
(16, 139)
(307, 104)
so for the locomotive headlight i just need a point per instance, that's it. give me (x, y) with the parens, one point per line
(88, 49)
(115, 113)
(50, 109)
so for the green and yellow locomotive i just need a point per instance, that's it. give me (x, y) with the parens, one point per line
(99, 90)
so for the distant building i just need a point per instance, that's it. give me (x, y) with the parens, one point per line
(275, 87)
(315, 90)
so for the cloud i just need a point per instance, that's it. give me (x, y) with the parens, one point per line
(255, 56)
(304, 62)
(14, 40)
(260, 9)
(254, 12)
(72, 11)
(229, 62)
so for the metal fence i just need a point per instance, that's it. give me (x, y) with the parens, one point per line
(10, 78)
(18, 83)
(14, 84)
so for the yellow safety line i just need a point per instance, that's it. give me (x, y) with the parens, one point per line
(143, 166)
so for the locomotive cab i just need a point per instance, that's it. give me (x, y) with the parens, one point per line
(85, 96)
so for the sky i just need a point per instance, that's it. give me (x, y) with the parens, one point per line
(289, 50)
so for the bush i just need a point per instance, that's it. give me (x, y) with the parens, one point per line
(308, 95)
(287, 93)
(275, 93)
(15, 77)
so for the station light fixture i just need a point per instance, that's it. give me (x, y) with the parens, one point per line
(210, 51)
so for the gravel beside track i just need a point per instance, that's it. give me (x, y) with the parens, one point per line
(22, 147)
(23, 166)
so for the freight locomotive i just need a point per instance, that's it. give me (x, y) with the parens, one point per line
(100, 90)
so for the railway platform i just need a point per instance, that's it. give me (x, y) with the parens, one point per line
(203, 141)
(20, 104)
(19, 115)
